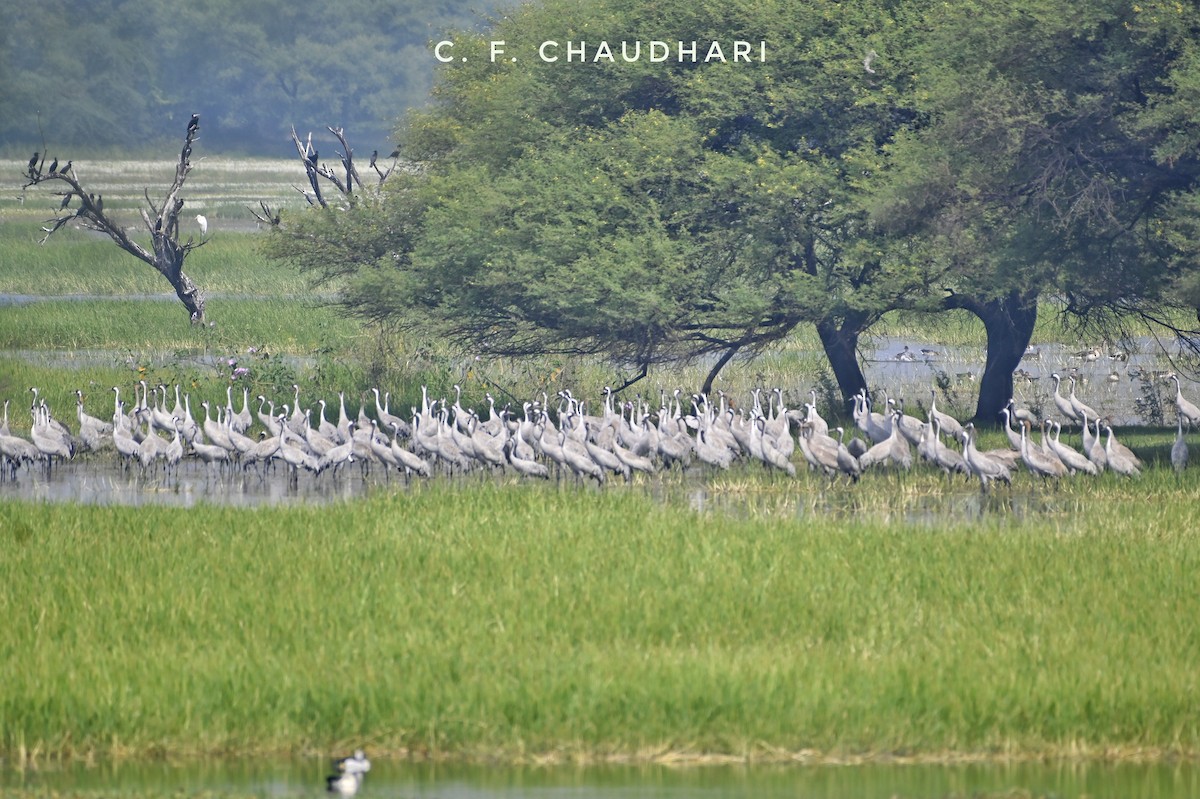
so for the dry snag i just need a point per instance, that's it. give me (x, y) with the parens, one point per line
(166, 253)
(344, 180)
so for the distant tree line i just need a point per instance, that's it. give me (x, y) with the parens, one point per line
(119, 75)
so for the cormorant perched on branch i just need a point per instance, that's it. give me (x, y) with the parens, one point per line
(312, 158)
(395, 153)
(65, 169)
(33, 161)
(374, 155)
(193, 124)
(53, 166)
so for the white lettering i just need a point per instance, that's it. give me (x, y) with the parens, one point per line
(549, 59)
(690, 51)
(741, 51)
(659, 51)
(497, 49)
(714, 53)
(603, 51)
(437, 51)
(576, 51)
(637, 51)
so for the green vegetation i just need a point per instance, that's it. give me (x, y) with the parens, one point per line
(77, 262)
(476, 620)
(916, 156)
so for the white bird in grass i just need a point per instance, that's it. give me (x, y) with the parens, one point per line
(203, 222)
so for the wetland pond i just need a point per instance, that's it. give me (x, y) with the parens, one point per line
(404, 780)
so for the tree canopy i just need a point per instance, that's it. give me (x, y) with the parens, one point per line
(884, 155)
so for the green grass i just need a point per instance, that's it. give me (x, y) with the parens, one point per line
(294, 326)
(78, 262)
(482, 621)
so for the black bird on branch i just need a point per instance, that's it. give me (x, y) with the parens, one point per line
(312, 158)
(167, 253)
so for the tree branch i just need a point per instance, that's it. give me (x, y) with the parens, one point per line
(167, 254)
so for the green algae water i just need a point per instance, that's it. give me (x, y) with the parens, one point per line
(389, 780)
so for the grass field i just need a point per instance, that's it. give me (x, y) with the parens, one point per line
(522, 622)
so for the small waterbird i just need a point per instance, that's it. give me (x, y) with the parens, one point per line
(349, 776)
(355, 764)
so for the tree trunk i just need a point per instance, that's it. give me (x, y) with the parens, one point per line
(1009, 324)
(168, 260)
(841, 349)
(190, 295)
(725, 358)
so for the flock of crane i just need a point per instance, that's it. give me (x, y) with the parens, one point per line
(561, 438)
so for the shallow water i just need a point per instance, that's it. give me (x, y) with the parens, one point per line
(391, 779)
(98, 479)
(1114, 387)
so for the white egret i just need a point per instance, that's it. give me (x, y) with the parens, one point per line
(203, 221)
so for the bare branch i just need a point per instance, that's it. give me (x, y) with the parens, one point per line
(267, 217)
(315, 170)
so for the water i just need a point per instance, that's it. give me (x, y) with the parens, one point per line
(1113, 386)
(98, 479)
(300, 778)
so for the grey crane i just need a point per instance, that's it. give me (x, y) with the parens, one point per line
(1183, 407)
(1039, 463)
(1062, 403)
(1118, 461)
(985, 468)
(1179, 450)
(1078, 406)
(1071, 458)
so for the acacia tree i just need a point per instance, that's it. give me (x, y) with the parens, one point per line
(648, 211)
(1045, 167)
(166, 253)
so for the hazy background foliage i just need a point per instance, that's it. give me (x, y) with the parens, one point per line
(113, 75)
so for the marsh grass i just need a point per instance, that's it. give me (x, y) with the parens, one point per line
(522, 622)
(292, 326)
(83, 263)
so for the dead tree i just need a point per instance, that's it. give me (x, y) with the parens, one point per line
(167, 253)
(344, 180)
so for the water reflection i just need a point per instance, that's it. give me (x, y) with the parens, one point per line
(397, 779)
(98, 480)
